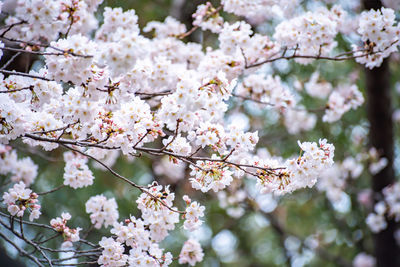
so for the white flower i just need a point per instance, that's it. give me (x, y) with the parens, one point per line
(71, 68)
(76, 172)
(193, 212)
(112, 254)
(70, 235)
(159, 218)
(313, 33)
(170, 27)
(297, 173)
(379, 32)
(191, 253)
(18, 199)
(364, 260)
(210, 175)
(102, 211)
(376, 222)
(342, 99)
(207, 18)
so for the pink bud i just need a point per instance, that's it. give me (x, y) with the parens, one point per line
(365, 198)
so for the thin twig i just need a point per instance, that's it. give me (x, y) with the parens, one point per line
(44, 45)
(178, 121)
(11, 26)
(35, 52)
(25, 75)
(10, 60)
(52, 190)
(153, 151)
(183, 35)
(17, 90)
(141, 188)
(339, 57)
(20, 250)
(29, 242)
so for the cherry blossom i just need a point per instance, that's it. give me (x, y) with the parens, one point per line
(19, 198)
(102, 211)
(60, 225)
(207, 18)
(364, 260)
(379, 33)
(191, 253)
(77, 174)
(342, 100)
(192, 214)
(112, 254)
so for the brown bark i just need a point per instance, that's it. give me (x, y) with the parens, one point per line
(379, 109)
(381, 137)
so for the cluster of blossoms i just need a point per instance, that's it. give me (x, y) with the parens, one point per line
(246, 8)
(113, 253)
(376, 161)
(20, 169)
(177, 144)
(60, 225)
(364, 260)
(172, 171)
(71, 68)
(389, 207)
(341, 100)
(207, 18)
(379, 34)
(102, 211)
(24, 107)
(144, 251)
(333, 180)
(296, 120)
(191, 253)
(268, 90)
(223, 140)
(240, 42)
(310, 34)
(76, 172)
(195, 101)
(207, 175)
(259, 10)
(295, 173)
(316, 87)
(120, 41)
(376, 221)
(155, 211)
(47, 18)
(170, 27)
(11, 119)
(271, 91)
(193, 211)
(38, 92)
(19, 198)
(231, 200)
(143, 235)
